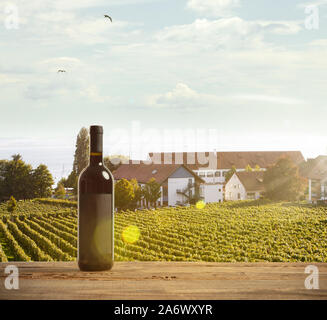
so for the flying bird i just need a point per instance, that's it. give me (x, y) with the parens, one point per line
(61, 70)
(106, 16)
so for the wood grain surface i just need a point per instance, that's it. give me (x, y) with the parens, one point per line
(164, 280)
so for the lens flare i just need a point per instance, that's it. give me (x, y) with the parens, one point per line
(131, 234)
(200, 204)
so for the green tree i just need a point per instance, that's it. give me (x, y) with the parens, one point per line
(124, 194)
(3, 166)
(152, 192)
(257, 168)
(138, 194)
(16, 179)
(82, 151)
(248, 168)
(60, 191)
(282, 181)
(114, 161)
(11, 204)
(230, 173)
(42, 182)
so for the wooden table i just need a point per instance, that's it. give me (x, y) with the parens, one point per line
(164, 280)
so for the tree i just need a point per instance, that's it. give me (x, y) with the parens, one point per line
(124, 194)
(114, 161)
(248, 168)
(60, 191)
(3, 166)
(42, 182)
(152, 192)
(138, 194)
(282, 181)
(16, 179)
(257, 168)
(230, 173)
(11, 204)
(82, 152)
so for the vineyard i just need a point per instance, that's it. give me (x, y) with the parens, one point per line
(46, 230)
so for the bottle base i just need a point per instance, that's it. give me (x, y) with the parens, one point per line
(98, 267)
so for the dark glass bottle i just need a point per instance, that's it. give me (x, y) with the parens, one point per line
(95, 210)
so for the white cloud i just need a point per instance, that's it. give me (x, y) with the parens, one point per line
(217, 8)
(232, 32)
(182, 97)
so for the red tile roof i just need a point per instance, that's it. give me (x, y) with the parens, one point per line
(252, 181)
(144, 172)
(226, 160)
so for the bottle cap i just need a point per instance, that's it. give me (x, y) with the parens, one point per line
(96, 129)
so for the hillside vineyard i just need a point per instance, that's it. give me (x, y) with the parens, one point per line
(46, 230)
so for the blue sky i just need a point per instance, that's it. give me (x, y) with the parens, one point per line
(249, 71)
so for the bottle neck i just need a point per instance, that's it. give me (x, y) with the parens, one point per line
(96, 158)
(96, 142)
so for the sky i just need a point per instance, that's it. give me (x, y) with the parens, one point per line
(165, 75)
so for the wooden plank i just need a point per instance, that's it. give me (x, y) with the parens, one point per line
(164, 280)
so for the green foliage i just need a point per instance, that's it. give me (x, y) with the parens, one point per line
(124, 194)
(283, 182)
(138, 194)
(60, 191)
(42, 182)
(11, 204)
(19, 180)
(248, 168)
(230, 173)
(16, 250)
(16, 179)
(257, 168)
(3, 257)
(246, 231)
(151, 192)
(82, 152)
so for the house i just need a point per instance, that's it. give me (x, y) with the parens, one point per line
(213, 166)
(244, 186)
(316, 173)
(178, 182)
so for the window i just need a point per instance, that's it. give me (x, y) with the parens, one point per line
(202, 174)
(238, 196)
(210, 174)
(219, 189)
(235, 186)
(217, 174)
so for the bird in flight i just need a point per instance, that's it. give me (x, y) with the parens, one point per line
(106, 16)
(61, 70)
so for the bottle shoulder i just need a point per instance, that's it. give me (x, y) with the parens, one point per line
(96, 179)
(96, 172)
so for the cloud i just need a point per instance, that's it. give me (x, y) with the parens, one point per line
(232, 32)
(182, 97)
(216, 8)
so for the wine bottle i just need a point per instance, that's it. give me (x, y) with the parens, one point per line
(95, 210)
